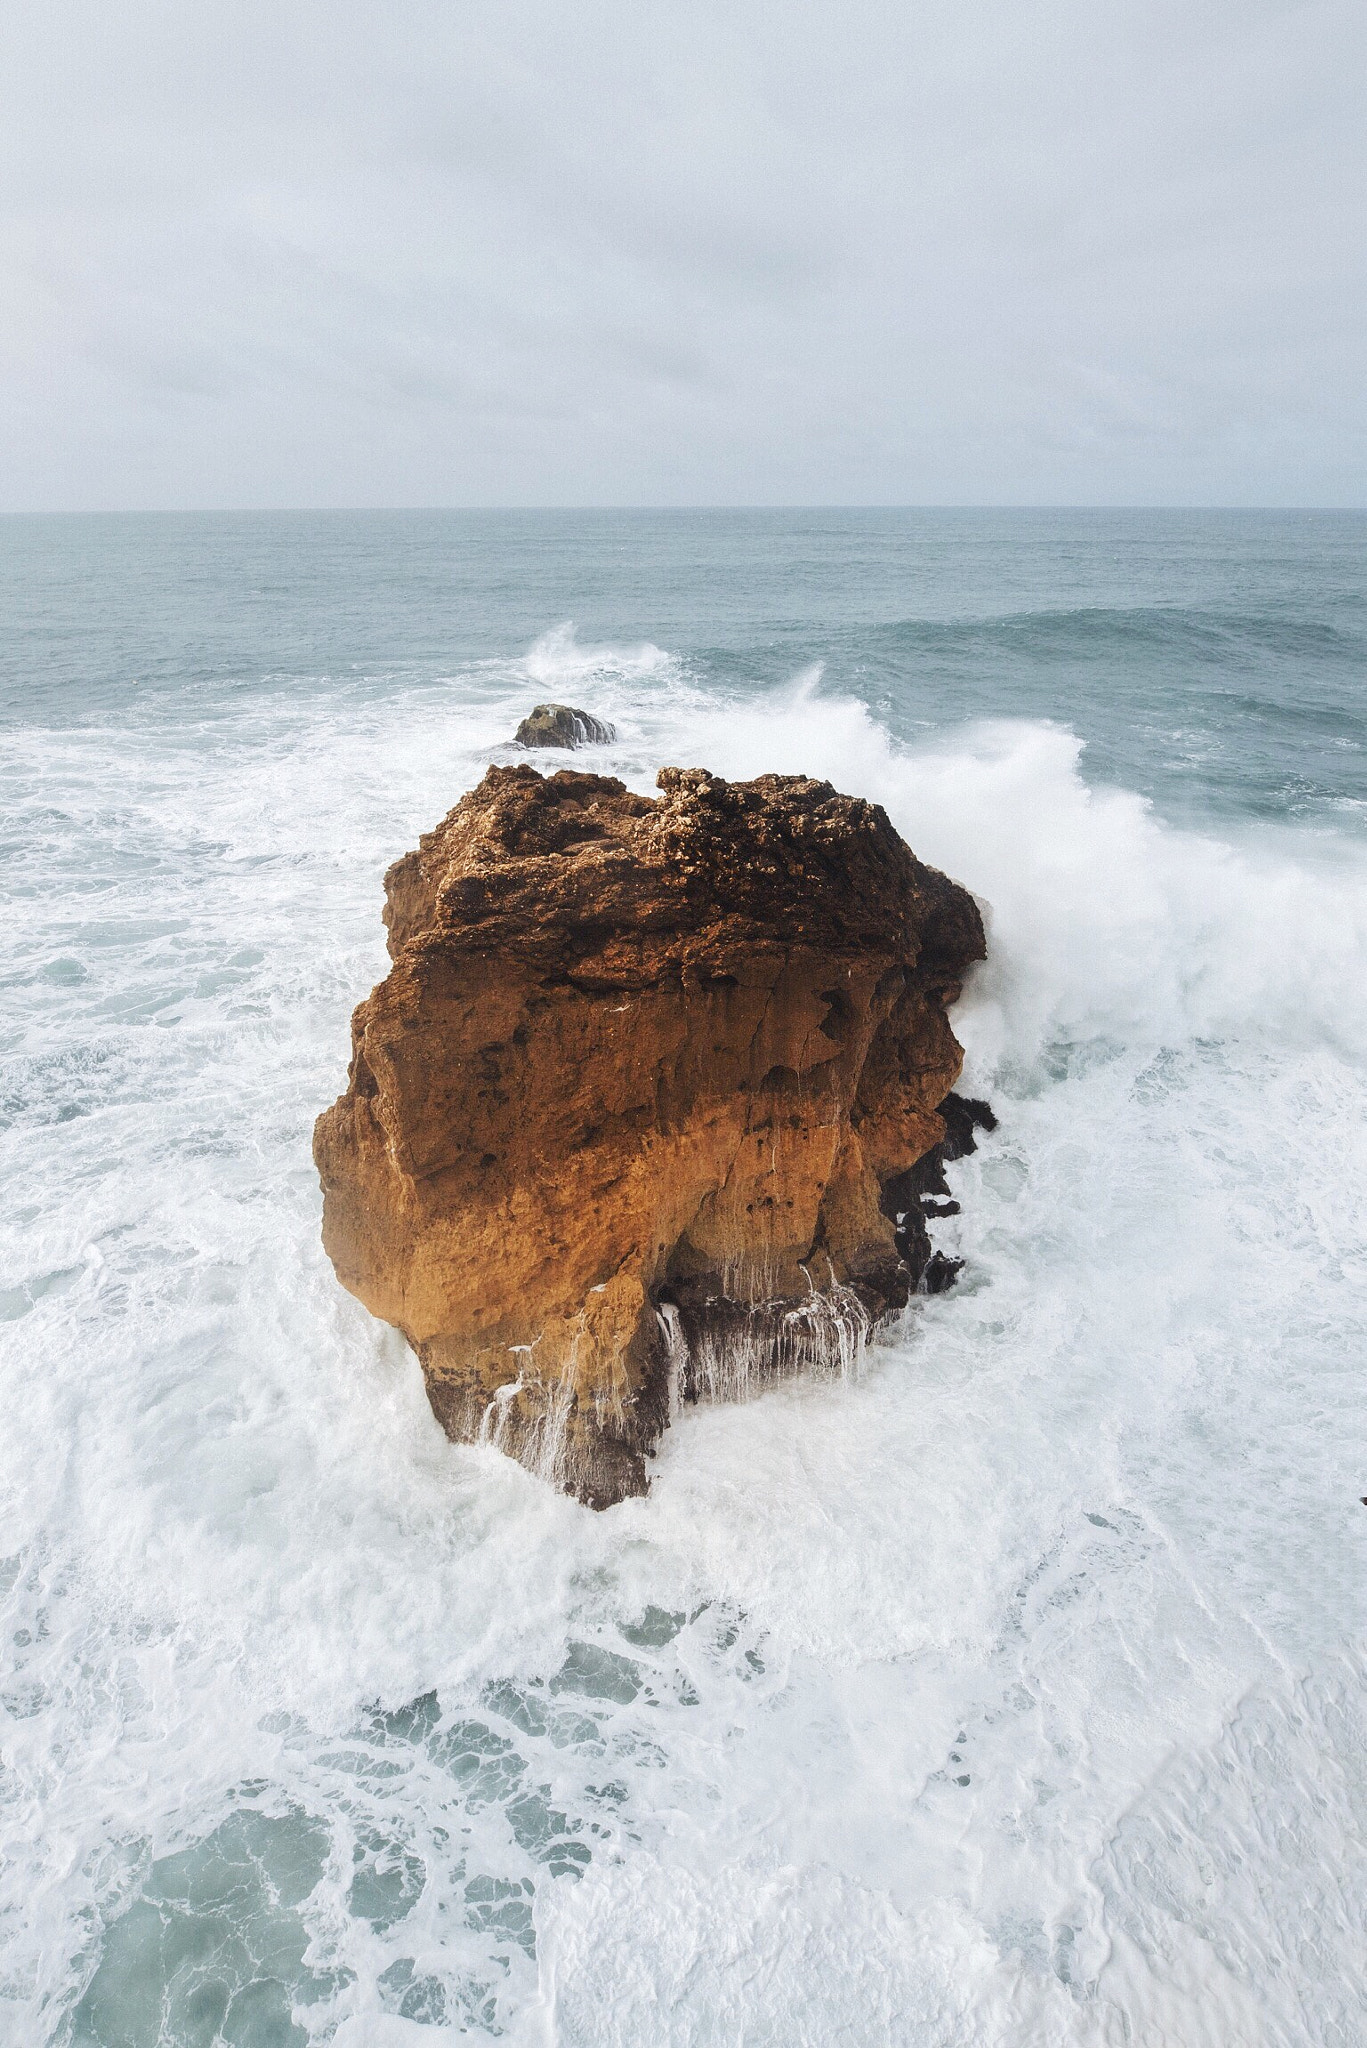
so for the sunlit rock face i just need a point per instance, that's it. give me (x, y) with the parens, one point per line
(622, 1120)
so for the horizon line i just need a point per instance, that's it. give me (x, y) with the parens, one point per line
(812, 505)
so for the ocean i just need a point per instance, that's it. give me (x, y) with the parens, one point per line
(1009, 1692)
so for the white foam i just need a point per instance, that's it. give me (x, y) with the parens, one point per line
(1087, 1536)
(558, 661)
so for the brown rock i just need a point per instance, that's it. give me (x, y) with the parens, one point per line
(620, 1118)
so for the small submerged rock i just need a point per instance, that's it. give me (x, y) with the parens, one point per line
(637, 1116)
(560, 725)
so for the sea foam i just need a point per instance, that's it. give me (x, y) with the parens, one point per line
(1004, 1690)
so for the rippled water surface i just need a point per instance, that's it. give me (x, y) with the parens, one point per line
(1009, 1694)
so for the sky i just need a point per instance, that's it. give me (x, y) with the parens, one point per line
(639, 252)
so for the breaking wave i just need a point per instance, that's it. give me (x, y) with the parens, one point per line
(1005, 1690)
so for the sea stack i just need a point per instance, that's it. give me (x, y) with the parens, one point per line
(632, 1120)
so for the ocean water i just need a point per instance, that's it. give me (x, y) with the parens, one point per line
(1008, 1693)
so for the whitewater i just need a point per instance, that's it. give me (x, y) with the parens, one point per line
(1008, 1692)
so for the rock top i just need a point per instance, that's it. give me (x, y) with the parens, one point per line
(629, 1120)
(560, 725)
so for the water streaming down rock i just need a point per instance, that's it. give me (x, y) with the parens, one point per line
(623, 1119)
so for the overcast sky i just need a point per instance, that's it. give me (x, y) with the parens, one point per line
(466, 252)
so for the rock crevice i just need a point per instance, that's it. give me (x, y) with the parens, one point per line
(630, 1119)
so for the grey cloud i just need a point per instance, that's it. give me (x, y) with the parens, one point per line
(519, 253)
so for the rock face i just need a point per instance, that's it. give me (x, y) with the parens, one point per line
(630, 1120)
(560, 725)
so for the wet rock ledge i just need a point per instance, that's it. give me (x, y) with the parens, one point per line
(636, 1116)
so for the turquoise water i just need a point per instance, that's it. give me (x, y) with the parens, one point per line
(1010, 1693)
(1208, 658)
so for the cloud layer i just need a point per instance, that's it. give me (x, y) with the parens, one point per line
(459, 252)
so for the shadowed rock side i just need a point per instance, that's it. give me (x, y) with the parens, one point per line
(915, 1198)
(621, 1119)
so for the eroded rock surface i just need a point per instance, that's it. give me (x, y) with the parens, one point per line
(628, 1122)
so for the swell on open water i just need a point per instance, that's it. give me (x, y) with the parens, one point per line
(1011, 1693)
